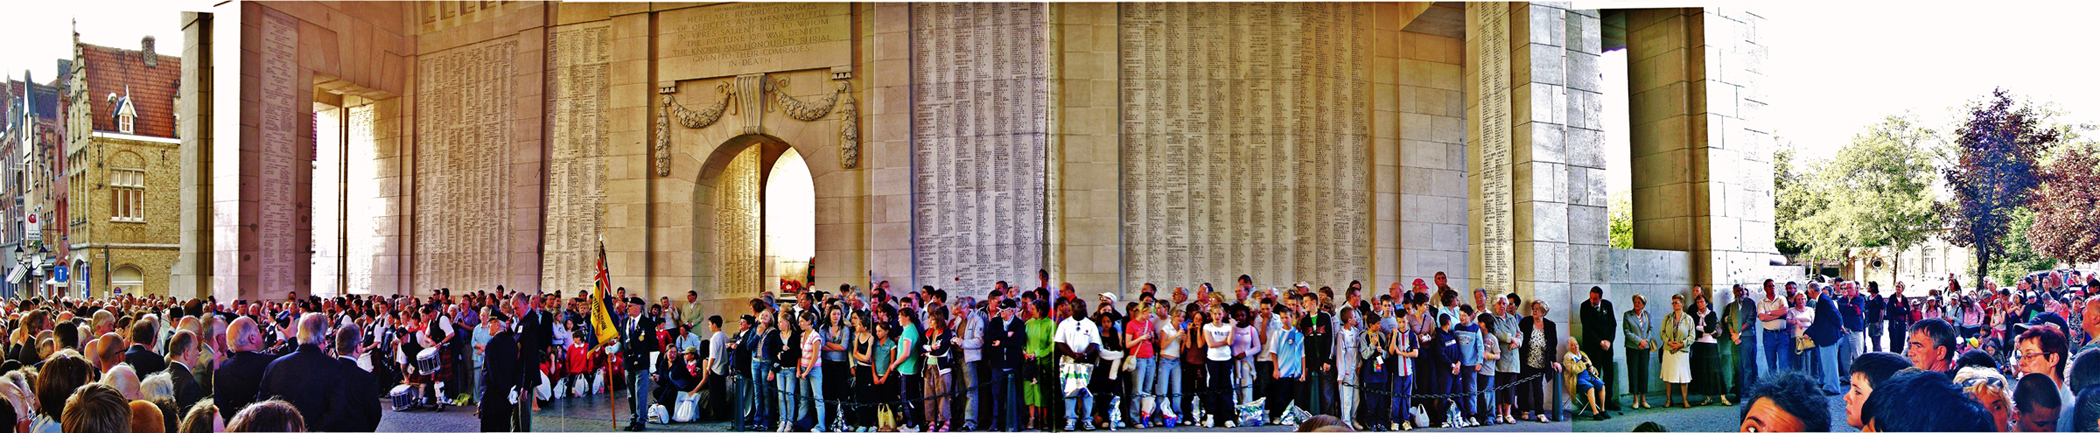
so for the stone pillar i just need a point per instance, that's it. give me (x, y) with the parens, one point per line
(1555, 155)
(1086, 248)
(886, 157)
(1435, 229)
(195, 229)
(1701, 155)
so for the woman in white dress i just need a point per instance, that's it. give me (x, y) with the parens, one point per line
(1676, 339)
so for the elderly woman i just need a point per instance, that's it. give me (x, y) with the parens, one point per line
(1677, 335)
(1640, 344)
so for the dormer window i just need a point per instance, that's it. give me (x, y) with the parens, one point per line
(124, 123)
(124, 111)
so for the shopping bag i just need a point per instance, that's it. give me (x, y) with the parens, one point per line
(659, 415)
(885, 419)
(546, 388)
(561, 387)
(598, 383)
(688, 407)
(1074, 377)
(1251, 414)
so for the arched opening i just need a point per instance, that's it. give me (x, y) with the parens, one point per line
(791, 221)
(755, 219)
(128, 279)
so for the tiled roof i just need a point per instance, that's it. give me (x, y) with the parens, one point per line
(152, 89)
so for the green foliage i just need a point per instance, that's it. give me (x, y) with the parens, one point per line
(2019, 257)
(1621, 211)
(1804, 223)
(1880, 187)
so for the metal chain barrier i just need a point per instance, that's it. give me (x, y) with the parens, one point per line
(957, 392)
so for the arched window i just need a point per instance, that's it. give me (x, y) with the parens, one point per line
(128, 278)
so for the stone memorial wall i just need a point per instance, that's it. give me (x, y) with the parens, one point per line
(277, 208)
(736, 228)
(464, 176)
(578, 96)
(1497, 211)
(1245, 143)
(980, 138)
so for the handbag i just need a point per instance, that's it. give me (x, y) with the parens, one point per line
(1803, 343)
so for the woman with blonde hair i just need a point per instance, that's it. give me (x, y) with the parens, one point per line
(1676, 348)
(1989, 389)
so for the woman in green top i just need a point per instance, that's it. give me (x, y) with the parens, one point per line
(885, 370)
(908, 365)
(1038, 351)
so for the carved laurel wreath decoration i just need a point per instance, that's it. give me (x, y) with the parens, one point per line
(849, 115)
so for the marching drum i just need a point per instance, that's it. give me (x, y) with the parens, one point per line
(427, 361)
(403, 397)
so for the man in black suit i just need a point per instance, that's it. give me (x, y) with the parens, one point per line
(637, 342)
(141, 356)
(358, 410)
(182, 351)
(535, 331)
(1598, 327)
(308, 378)
(241, 374)
(1008, 337)
(1827, 330)
(500, 375)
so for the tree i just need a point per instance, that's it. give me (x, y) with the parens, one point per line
(1804, 227)
(1993, 173)
(2019, 258)
(2067, 208)
(1621, 220)
(1881, 189)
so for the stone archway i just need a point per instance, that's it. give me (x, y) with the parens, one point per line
(730, 214)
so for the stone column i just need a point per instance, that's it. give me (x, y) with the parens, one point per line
(1701, 155)
(195, 229)
(1558, 235)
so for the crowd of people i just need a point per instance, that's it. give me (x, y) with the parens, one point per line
(1688, 345)
(1989, 359)
(1044, 359)
(128, 364)
(859, 359)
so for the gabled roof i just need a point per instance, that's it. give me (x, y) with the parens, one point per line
(152, 89)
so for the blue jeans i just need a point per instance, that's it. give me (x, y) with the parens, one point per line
(1141, 387)
(972, 372)
(1078, 407)
(1464, 384)
(1827, 357)
(1403, 387)
(639, 394)
(1778, 346)
(1168, 386)
(813, 386)
(791, 396)
(1486, 385)
(1746, 355)
(758, 393)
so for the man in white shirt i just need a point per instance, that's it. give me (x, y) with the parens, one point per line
(1078, 342)
(1771, 314)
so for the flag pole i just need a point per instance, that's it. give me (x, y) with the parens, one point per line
(604, 281)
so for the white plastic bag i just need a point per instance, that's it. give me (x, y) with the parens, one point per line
(546, 388)
(688, 407)
(561, 387)
(658, 415)
(598, 382)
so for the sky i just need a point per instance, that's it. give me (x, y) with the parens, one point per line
(1833, 67)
